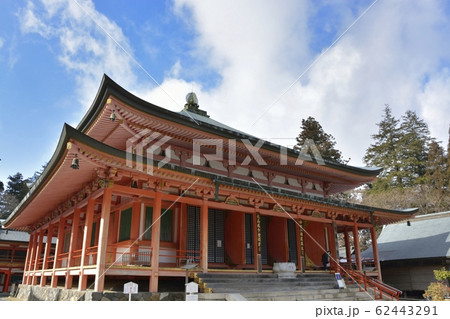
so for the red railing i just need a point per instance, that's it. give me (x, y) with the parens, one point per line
(365, 282)
(181, 256)
(133, 258)
(167, 256)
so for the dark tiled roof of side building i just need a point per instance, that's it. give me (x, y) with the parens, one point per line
(428, 236)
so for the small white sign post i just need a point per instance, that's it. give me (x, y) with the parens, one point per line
(130, 288)
(191, 291)
(340, 281)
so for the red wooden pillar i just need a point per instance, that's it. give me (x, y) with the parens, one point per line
(135, 220)
(357, 247)
(27, 267)
(103, 240)
(204, 236)
(33, 257)
(183, 230)
(58, 250)
(7, 280)
(156, 230)
(87, 234)
(332, 255)
(38, 255)
(256, 242)
(72, 247)
(348, 251)
(298, 243)
(376, 255)
(48, 247)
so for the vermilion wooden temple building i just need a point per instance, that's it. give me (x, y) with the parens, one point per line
(137, 191)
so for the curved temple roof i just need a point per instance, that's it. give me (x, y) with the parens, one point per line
(194, 121)
(59, 181)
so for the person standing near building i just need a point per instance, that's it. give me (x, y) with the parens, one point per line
(325, 259)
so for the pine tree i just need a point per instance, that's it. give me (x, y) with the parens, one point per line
(413, 148)
(325, 143)
(17, 186)
(16, 190)
(384, 153)
(437, 173)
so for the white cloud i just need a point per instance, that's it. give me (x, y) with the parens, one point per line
(29, 22)
(1, 42)
(435, 105)
(86, 48)
(259, 48)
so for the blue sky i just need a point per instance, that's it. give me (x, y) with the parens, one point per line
(258, 66)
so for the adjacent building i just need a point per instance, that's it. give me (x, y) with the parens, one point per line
(410, 251)
(13, 250)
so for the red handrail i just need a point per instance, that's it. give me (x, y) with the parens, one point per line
(379, 288)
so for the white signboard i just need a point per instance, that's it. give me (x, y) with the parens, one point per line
(130, 288)
(340, 281)
(192, 287)
(191, 291)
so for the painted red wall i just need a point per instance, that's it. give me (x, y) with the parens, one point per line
(234, 237)
(277, 239)
(312, 250)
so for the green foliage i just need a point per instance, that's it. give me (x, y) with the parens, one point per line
(401, 149)
(325, 143)
(437, 291)
(16, 189)
(442, 274)
(413, 147)
(384, 152)
(416, 169)
(17, 186)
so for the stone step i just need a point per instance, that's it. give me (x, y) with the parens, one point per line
(304, 292)
(265, 279)
(263, 275)
(258, 289)
(312, 295)
(267, 286)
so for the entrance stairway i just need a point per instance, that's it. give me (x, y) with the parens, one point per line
(311, 286)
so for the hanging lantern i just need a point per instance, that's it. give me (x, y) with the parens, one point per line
(112, 117)
(75, 162)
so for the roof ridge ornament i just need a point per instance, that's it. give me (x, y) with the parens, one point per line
(192, 105)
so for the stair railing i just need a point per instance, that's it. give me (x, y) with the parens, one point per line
(379, 288)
